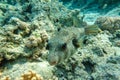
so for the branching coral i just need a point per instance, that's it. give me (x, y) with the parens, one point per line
(18, 36)
(37, 40)
(23, 28)
(31, 76)
(32, 42)
(21, 24)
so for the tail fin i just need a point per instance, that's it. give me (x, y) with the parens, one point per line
(92, 30)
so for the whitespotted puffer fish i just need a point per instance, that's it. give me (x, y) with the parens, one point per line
(66, 41)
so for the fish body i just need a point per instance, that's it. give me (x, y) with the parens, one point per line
(65, 43)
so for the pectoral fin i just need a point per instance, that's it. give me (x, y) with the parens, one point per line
(78, 43)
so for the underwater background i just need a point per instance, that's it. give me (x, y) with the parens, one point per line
(59, 39)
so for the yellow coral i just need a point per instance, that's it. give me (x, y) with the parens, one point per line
(31, 76)
(6, 78)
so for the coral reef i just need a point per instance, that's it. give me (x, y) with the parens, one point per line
(15, 71)
(30, 75)
(108, 23)
(12, 43)
(36, 39)
(55, 40)
(85, 64)
(58, 14)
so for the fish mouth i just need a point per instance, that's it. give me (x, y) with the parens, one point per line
(53, 63)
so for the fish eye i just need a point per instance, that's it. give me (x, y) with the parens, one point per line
(48, 46)
(75, 43)
(58, 29)
(64, 46)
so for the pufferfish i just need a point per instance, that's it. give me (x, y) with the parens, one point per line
(66, 41)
